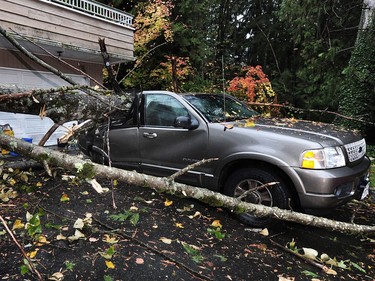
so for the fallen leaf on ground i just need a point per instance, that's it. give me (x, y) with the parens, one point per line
(77, 235)
(60, 237)
(109, 239)
(310, 253)
(18, 224)
(168, 203)
(186, 208)
(216, 223)
(109, 264)
(166, 240)
(108, 254)
(179, 225)
(32, 254)
(329, 271)
(139, 261)
(96, 186)
(262, 247)
(88, 219)
(78, 224)
(264, 232)
(64, 198)
(196, 214)
(282, 278)
(57, 276)
(42, 240)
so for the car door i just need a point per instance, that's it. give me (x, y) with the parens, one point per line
(164, 147)
(124, 140)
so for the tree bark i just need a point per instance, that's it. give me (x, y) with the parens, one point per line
(367, 15)
(107, 63)
(61, 104)
(55, 158)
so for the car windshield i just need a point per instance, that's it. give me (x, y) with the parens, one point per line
(216, 109)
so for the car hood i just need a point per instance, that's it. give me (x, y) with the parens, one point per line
(325, 134)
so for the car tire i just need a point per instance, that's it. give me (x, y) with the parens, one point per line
(277, 195)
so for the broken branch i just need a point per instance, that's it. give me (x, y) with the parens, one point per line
(309, 110)
(190, 167)
(33, 269)
(69, 162)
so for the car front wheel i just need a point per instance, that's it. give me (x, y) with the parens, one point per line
(247, 183)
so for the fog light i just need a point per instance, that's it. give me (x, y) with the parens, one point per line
(344, 190)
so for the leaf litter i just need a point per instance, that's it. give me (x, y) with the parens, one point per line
(171, 238)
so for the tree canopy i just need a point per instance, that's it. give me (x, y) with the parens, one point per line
(304, 47)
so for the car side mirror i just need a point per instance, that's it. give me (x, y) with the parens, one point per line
(185, 122)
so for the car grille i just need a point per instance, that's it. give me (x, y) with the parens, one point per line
(356, 150)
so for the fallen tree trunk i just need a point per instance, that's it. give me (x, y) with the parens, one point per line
(61, 104)
(89, 170)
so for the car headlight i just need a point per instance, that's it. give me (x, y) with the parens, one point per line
(325, 158)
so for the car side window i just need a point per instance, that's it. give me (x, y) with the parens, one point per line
(162, 110)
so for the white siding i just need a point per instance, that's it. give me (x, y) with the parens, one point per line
(32, 126)
(31, 79)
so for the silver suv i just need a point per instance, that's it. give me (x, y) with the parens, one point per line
(287, 163)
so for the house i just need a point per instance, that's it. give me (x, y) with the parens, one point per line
(68, 29)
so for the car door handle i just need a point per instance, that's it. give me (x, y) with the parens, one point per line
(150, 135)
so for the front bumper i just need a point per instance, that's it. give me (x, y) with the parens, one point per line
(327, 189)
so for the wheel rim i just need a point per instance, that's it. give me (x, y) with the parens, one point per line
(261, 196)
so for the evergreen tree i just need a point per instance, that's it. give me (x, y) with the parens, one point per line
(357, 98)
(323, 35)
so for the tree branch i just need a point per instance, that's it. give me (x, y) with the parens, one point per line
(33, 269)
(63, 103)
(107, 64)
(140, 60)
(61, 60)
(35, 58)
(309, 110)
(55, 71)
(190, 167)
(309, 261)
(185, 191)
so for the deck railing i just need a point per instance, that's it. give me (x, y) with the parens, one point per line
(97, 9)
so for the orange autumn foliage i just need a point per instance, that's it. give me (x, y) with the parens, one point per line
(252, 86)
